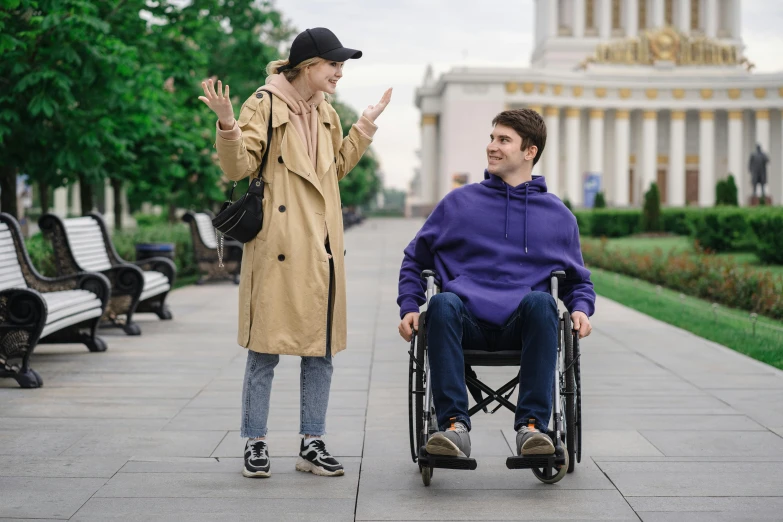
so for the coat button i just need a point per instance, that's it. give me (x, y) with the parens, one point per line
(345, 252)
(259, 95)
(281, 257)
(335, 159)
(280, 159)
(281, 208)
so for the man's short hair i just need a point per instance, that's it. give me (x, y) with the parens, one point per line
(528, 124)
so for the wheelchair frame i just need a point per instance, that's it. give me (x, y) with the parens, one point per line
(565, 421)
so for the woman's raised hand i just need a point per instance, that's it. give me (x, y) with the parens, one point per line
(219, 102)
(373, 111)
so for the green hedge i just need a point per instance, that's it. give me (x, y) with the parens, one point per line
(767, 226)
(723, 229)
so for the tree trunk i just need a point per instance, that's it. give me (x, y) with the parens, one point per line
(116, 185)
(85, 193)
(43, 188)
(8, 190)
(172, 213)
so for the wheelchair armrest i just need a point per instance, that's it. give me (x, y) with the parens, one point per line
(560, 274)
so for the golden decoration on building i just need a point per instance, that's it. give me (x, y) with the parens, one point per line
(651, 94)
(577, 90)
(667, 45)
(780, 92)
(527, 87)
(735, 115)
(705, 94)
(760, 92)
(762, 114)
(557, 89)
(625, 93)
(734, 94)
(541, 88)
(552, 111)
(600, 92)
(511, 87)
(678, 94)
(429, 119)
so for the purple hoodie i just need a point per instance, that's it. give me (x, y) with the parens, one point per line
(491, 244)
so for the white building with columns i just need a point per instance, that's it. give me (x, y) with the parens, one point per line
(635, 91)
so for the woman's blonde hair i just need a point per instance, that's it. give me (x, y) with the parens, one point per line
(275, 66)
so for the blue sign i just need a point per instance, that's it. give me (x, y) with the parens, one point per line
(592, 186)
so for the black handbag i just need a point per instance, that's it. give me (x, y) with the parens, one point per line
(242, 219)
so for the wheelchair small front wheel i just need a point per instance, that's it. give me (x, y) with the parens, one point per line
(557, 477)
(426, 474)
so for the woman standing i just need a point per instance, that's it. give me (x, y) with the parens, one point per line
(292, 286)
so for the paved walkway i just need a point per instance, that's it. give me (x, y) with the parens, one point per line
(677, 428)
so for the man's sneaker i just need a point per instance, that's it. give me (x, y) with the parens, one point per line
(315, 459)
(256, 459)
(454, 442)
(530, 441)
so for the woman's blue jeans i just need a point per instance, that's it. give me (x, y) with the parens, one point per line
(315, 382)
(451, 327)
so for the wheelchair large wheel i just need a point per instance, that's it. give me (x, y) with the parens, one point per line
(568, 393)
(416, 389)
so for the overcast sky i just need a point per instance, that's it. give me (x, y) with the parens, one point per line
(400, 38)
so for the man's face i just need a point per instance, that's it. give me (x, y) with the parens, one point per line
(504, 154)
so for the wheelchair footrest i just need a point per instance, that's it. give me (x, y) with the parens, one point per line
(535, 461)
(439, 461)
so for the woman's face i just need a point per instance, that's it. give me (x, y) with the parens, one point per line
(324, 76)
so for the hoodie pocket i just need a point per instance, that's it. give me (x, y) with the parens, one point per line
(490, 301)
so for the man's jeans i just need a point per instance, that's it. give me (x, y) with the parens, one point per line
(451, 327)
(315, 381)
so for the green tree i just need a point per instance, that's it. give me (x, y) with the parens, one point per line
(651, 213)
(363, 182)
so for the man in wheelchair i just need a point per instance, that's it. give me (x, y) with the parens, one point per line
(493, 246)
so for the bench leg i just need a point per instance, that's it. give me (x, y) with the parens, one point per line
(28, 379)
(164, 313)
(94, 343)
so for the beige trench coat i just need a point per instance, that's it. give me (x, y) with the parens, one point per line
(284, 282)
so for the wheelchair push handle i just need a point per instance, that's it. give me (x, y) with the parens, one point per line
(556, 277)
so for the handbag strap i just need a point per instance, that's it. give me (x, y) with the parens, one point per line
(257, 184)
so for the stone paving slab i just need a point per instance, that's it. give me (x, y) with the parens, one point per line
(676, 427)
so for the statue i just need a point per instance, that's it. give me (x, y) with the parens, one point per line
(758, 169)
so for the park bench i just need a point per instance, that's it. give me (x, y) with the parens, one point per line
(83, 244)
(35, 309)
(205, 249)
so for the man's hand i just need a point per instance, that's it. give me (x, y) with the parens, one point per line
(409, 323)
(581, 324)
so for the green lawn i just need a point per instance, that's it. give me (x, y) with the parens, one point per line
(732, 328)
(679, 244)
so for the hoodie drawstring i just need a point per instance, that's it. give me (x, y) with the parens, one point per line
(526, 189)
(507, 204)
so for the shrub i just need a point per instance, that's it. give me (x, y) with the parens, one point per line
(600, 201)
(614, 222)
(718, 279)
(722, 229)
(766, 225)
(651, 213)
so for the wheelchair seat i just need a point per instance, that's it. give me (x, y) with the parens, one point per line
(499, 358)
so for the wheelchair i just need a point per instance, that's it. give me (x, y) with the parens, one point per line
(565, 422)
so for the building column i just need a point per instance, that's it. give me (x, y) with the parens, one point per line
(676, 180)
(429, 158)
(711, 18)
(597, 141)
(736, 19)
(76, 199)
(552, 150)
(573, 177)
(579, 19)
(736, 163)
(649, 160)
(552, 21)
(632, 17)
(762, 138)
(605, 19)
(657, 17)
(622, 151)
(61, 202)
(706, 158)
(684, 16)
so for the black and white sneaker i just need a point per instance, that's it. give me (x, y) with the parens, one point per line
(315, 459)
(256, 459)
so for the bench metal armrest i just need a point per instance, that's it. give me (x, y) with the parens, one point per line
(163, 265)
(94, 282)
(125, 279)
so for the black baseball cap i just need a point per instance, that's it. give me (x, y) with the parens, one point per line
(319, 42)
